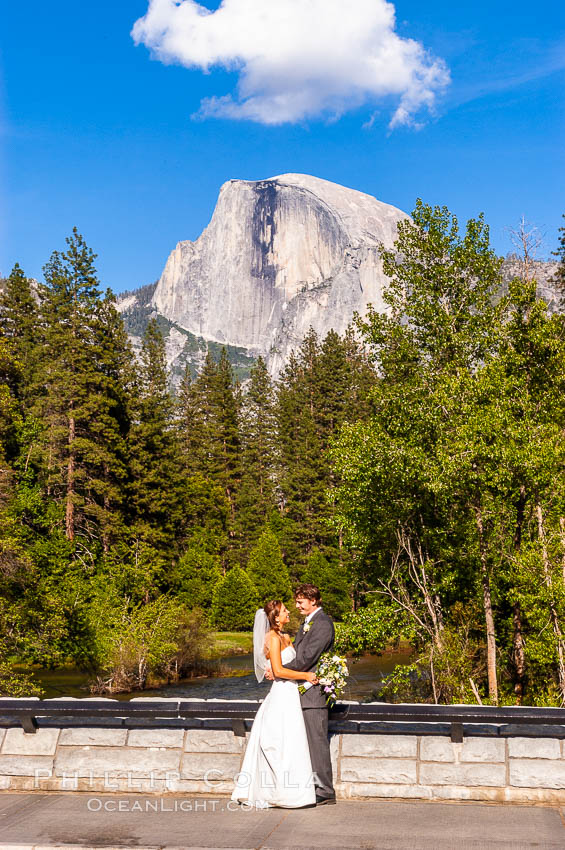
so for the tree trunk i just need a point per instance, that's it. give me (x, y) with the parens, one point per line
(105, 533)
(489, 616)
(433, 604)
(518, 654)
(562, 529)
(552, 609)
(419, 575)
(50, 463)
(432, 672)
(70, 506)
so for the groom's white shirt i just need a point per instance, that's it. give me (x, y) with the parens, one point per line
(311, 614)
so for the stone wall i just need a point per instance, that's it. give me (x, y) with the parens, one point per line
(432, 767)
(369, 760)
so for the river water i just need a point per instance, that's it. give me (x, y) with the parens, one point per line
(236, 682)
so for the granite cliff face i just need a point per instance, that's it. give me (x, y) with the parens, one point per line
(543, 272)
(278, 257)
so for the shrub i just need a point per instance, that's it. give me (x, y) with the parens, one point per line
(234, 602)
(193, 641)
(14, 684)
(267, 570)
(371, 629)
(149, 644)
(330, 577)
(195, 577)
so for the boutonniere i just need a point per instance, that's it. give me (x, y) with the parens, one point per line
(307, 627)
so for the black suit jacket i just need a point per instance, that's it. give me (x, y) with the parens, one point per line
(309, 647)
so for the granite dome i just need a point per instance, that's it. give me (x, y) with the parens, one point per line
(279, 256)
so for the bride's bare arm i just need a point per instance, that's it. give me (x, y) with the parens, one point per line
(281, 672)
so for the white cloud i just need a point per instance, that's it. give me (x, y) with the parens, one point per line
(297, 59)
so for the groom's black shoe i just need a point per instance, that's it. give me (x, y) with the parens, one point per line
(325, 801)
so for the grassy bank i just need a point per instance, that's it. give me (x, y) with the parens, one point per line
(230, 643)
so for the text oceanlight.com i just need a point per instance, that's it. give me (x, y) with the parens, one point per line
(160, 805)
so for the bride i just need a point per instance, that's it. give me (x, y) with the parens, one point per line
(276, 768)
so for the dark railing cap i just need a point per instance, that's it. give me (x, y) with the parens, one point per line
(380, 718)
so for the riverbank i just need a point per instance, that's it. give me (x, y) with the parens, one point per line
(224, 646)
(230, 677)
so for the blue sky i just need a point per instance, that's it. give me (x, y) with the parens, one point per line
(100, 133)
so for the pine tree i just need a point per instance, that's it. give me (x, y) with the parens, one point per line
(111, 421)
(322, 386)
(267, 570)
(186, 422)
(194, 578)
(206, 516)
(302, 491)
(344, 380)
(18, 323)
(194, 417)
(228, 459)
(234, 602)
(208, 428)
(79, 395)
(330, 577)
(12, 556)
(207, 509)
(157, 483)
(257, 492)
(10, 409)
(68, 457)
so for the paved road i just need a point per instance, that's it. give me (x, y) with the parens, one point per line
(84, 821)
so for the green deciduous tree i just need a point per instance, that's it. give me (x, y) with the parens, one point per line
(393, 498)
(559, 277)
(374, 628)
(453, 485)
(137, 645)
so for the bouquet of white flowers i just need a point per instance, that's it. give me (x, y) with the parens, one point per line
(332, 671)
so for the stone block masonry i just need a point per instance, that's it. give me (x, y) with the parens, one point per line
(377, 760)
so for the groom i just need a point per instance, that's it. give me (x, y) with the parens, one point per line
(315, 636)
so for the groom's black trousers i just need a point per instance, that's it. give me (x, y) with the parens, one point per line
(316, 722)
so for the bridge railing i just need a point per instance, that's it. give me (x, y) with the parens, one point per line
(379, 718)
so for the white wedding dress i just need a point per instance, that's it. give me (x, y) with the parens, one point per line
(276, 768)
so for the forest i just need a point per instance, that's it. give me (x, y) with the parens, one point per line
(412, 468)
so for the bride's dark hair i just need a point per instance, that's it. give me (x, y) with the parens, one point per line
(272, 609)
